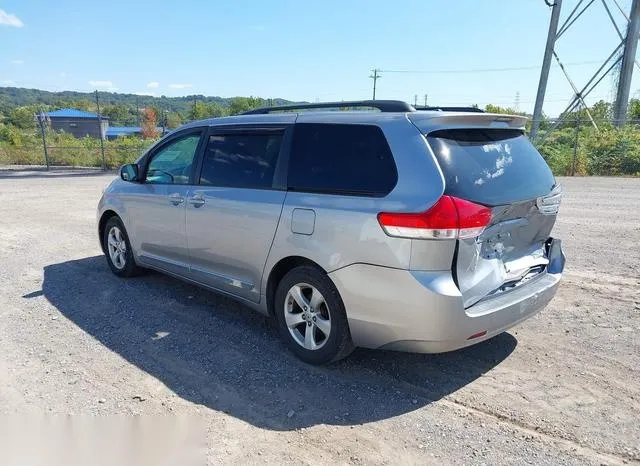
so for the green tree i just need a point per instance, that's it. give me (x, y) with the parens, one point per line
(174, 119)
(634, 110)
(118, 115)
(215, 110)
(490, 108)
(243, 104)
(23, 117)
(198, 111)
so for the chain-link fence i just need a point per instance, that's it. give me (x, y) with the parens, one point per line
(573, 147)
(85, 154)
(585, 147)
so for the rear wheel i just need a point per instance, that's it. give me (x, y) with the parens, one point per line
(311, 316)
(118, 249)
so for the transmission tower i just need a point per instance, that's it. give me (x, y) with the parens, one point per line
(628, 46)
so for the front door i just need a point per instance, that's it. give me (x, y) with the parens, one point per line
(156, 207)
(233, 212)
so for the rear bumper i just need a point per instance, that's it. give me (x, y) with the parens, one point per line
(423, 311)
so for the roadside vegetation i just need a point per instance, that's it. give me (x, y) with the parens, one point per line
(573, 147)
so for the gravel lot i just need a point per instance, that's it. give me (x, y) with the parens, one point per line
(564, 387)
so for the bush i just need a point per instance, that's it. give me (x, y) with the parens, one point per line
(558, 151)
(614, 151)
(65, 150)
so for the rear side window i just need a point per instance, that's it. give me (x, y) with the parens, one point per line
(491, 166)
(341, 159)
(241, 160)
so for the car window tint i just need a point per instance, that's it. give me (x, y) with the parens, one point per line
(491, 166)
(341, 159)
(242, 160)
(172, 164)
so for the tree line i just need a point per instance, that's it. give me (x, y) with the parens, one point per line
(583, 143)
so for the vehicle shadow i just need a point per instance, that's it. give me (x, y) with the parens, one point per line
(213, 351)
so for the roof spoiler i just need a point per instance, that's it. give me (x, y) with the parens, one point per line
(450, 109)
(421, 119)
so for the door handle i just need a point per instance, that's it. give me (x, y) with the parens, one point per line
(176, 199)
(197, 201)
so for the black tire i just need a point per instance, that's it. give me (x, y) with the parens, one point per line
(338, 344)
(130, 268)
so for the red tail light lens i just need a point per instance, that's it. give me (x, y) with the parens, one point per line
(449, 218)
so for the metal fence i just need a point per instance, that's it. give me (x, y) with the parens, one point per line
(113, 155)
(574, 147)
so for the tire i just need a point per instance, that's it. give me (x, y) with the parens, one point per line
(301, 285)
(126, 266)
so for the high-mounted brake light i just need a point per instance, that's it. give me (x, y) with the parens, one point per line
(449, 218)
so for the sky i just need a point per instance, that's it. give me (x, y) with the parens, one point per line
(458, 52)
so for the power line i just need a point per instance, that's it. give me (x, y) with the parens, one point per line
(485, 70)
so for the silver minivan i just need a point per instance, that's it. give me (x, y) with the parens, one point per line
(363, 223)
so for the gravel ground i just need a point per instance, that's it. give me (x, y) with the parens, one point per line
(562, 388)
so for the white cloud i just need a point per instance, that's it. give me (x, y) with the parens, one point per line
(10, 19)
(7, 82)
(179, 86)
(153, 84)
(103, 85)
(17, 62)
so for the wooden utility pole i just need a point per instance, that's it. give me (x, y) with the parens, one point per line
(104, 164)
(375, 76)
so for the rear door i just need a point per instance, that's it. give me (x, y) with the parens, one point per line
(498, 168)
(233, 212)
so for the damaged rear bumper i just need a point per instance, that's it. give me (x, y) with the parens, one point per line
(421, 311)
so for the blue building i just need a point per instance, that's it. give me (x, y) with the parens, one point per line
(78, 123)
(114, 132)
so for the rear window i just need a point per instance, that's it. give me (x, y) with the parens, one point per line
(341, 159)
(491, 166)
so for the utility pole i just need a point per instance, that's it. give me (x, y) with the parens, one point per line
(375, 76)
(546, 65)
(104, 165)
(575, 145)
(137, 112)
(426, 96)
(415, 100)
(41, 118)
(626, 69)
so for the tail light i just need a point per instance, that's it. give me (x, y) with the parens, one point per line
(449, 218)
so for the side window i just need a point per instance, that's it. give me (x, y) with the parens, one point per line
(241, 160)
(172, 164)
(341, 159)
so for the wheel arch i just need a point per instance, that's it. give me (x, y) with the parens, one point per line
(278, 271)
(104, 218)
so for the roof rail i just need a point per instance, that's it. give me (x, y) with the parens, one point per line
(451, 109)
(382, 105)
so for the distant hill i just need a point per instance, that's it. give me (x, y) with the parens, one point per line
(11, 97)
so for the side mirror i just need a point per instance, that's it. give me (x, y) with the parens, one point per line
(129, 172)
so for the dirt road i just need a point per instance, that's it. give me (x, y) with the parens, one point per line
(564, 387)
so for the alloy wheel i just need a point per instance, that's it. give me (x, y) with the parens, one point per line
(307, 316)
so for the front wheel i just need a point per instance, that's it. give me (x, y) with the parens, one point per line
(311, 316)
(118, 249)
